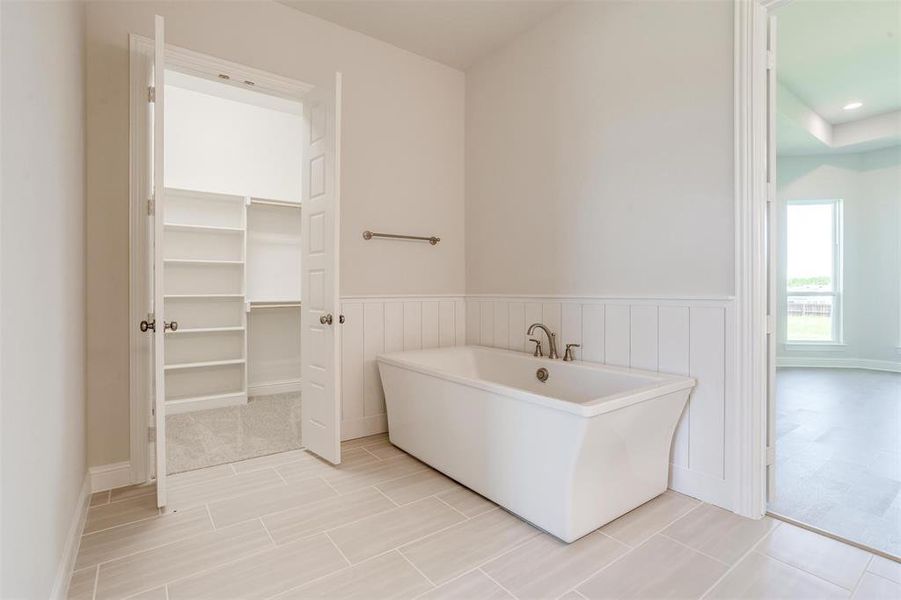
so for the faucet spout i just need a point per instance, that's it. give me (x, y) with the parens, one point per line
(551, 338)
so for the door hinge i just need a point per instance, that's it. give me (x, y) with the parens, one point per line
(151, 94)
(770, 60)
(151, 434)
(770, 324)
(770, 456)
(149, 206)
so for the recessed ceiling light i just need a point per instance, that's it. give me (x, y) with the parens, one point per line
(852, 105)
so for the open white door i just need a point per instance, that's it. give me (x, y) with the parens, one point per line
(771, 262)
(320, 338)
(158, 320)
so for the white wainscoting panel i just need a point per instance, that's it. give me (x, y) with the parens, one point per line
(680, 336)
(374, 325)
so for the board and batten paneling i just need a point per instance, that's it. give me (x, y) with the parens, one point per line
(680, 336)
(374, 325)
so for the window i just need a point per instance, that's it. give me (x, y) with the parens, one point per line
(813, 271)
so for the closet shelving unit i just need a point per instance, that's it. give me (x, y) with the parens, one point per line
(274, 295)
(225, 255)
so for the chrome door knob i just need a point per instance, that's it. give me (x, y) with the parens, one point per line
(326, 319)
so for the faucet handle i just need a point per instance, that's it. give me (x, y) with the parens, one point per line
(568, 354)
(538, 351)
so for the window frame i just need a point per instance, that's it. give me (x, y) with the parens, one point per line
(837, 293)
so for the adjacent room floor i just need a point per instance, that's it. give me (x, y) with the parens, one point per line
(385, 525)
(838, 453)
(265, 425)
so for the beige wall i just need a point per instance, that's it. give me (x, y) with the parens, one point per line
(599, 154)
(42, 228)
(402, 163)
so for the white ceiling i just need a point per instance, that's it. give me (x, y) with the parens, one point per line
(830, 53)
(453, 32)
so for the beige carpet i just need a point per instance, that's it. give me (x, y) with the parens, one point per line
(265, 425)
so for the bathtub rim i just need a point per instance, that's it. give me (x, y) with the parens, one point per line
(664, 383)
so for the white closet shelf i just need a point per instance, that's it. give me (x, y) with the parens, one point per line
(203, 228)
(281, 203)
(202, 296)
(200, 261)
(201, 365)
(204, 330)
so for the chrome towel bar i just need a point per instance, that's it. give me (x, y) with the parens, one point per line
(368, 235)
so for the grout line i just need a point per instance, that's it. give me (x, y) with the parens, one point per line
(325, 481)
(701, 552)
(394, 549)
(364, 449)
(629, 547)
(209, 515)
(496, 582)
(448, 582)
(307, 504)
(860, 578)
(892, 582)
(279, 473)
(740, 560)
(163, 544)
(338, 548)
(378, 482)
(266, 529)
(376, 488)
(803, 570)
(151, 491)
(415, 568)
(166, 589)
(832, 536)
(156, 516)
(410, 474)
(233, 494)
(96, 580)
(536, 532)
(446, 503)
(208, 569)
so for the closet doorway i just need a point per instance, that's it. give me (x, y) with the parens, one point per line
(234, 263)
(232, 272)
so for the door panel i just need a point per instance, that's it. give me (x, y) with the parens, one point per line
(772, 254)
(159, 380)
(320, 338)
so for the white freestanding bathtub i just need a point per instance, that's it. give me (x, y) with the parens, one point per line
(568, 455)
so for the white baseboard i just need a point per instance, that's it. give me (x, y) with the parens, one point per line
(108, 477)
(838, 363)
(707, 488)
(73, 537)
(177, 407)
(357, 428)
(276, 387)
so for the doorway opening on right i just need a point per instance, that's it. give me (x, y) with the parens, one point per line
(837, 265)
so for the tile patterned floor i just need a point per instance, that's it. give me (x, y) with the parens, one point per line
(384, 525)
(838, 453)
(265, 425)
